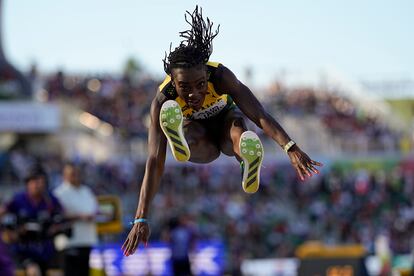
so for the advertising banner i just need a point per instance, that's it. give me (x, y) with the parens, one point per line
(29, 117)
(207, 260)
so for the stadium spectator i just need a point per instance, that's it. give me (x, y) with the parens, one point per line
(37, 213)
(181, 238)
(80, 207)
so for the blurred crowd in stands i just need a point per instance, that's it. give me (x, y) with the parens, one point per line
(336, 207)
(344, 118)
(124, 103)
(341, 205)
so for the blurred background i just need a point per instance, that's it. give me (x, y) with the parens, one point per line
(76, 82)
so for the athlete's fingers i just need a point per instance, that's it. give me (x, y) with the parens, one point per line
(303, 164)
(300, 173)
(127, 246)
(145, 240)
(305, 169)
(145, 234)
(124, 245)
(308, 172)
(131, 244)
(313, 162)
(145, 237)
(129, 250)
(135, 244)
(313, 169)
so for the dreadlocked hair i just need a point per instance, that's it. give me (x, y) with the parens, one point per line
(196, 47)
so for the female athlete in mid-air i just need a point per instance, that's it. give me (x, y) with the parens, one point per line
(200, 110)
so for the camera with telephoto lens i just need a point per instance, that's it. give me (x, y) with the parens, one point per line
(44, 227)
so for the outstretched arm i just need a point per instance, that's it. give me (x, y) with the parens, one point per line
(251, 107)
(157, 144)
(153, 171)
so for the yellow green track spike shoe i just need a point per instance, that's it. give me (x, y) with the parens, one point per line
(171, 122)
(251, 151)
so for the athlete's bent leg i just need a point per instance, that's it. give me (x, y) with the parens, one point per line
(251, 152)
(245, 146)
(233, 127)
(171, 122)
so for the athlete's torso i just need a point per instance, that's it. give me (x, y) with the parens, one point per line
(214, 102)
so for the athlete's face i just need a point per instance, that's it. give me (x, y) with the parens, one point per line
(191, 85)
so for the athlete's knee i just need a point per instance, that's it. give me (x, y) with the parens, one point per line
(228, 148)
(239, 122)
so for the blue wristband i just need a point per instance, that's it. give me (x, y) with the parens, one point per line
(138, 220)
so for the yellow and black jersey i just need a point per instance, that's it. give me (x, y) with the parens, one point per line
(214, 102)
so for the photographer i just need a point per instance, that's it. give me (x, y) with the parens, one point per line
(36, 219)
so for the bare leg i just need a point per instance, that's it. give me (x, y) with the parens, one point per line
(234, 126)
(203, 149)
(245, 146)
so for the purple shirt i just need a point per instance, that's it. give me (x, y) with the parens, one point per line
(25, 211)
(6, 265)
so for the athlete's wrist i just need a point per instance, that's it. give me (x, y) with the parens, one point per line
(288, 146)
(139, 220)
(141, 216)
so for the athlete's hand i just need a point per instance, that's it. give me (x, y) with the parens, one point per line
(140, 232)
(302, 163)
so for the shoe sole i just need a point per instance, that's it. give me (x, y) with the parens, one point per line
(251, 151)
(171, 122)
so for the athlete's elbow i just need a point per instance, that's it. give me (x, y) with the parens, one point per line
(262, 118)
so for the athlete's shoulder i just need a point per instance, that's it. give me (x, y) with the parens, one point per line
(167, 88)
(217, 71)
(224, 79)
(213, 64)
(212, 69)
(165, 83)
